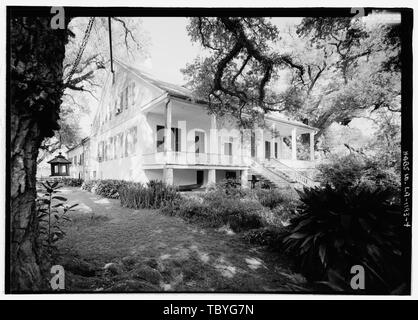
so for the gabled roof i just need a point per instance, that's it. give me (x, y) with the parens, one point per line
(172, 89)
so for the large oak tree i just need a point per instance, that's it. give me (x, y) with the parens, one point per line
(336, 68)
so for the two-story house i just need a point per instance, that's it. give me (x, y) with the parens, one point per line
(129, 139)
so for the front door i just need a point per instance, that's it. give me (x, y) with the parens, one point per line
(267, 150)
(199, 177)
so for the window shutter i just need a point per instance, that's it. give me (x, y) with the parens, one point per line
(115, 154)
(121, 144)
(126, 144)
(134, 138)
(126, 98)
(132, 92)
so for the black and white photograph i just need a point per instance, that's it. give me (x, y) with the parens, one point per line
(208, 150)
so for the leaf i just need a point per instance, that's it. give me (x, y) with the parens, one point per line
(59, 198)
(297, 235)
(306, 241)
(48, 189)
(42, 215)
(322, 251)
(331, 285)
(302, 224)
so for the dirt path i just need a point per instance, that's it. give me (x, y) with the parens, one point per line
(188, 257)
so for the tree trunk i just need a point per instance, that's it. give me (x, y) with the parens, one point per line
(37, 54)
(24, 250)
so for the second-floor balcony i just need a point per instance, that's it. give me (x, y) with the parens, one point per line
(192, 158)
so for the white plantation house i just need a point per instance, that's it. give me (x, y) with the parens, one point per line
(129, 140)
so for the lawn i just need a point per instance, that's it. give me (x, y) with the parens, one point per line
(111, 248)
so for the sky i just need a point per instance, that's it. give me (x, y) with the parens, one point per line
(170, 49)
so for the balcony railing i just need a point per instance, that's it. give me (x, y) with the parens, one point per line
(191, 158)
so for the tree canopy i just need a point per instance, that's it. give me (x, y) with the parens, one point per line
(334, 69)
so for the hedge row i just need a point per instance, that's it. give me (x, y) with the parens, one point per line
(151, 195)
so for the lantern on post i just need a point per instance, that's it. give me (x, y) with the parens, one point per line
(60, 166)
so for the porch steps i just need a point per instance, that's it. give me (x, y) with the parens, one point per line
(275, 184)
(276, 174)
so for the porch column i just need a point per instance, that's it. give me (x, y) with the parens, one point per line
(279, 146)
(260, 144)
(273, 143)
(294, 151)
(246, 146)
(182, 125)
(312, 145)
(244, 178)
(167, 131)
(211, 176)
(168, 177)
(213, 147)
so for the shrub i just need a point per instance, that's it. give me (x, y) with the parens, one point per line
(355, 170)
(338, 228)
(108, 188)
(192, 210)
(229, 188)
(281, 203)
(88, 185)
(154, 194)
(72, 182)
(52, 210)
(239, 214)
(272, 198)
(266, 236)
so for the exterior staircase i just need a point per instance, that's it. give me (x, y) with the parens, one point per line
(275, 173)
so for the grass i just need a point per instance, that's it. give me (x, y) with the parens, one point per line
(188, 257)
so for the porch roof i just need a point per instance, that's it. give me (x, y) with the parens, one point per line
(283, 119)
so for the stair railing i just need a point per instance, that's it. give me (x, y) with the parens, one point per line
(294, 174)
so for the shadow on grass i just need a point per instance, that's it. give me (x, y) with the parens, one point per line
(88, 220)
